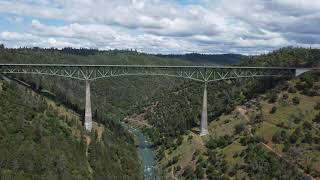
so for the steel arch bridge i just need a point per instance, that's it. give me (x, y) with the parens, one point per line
(205, 74)
(197, 73)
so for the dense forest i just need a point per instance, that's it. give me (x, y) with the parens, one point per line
(42, 140)
(209, 59)
(171, 113)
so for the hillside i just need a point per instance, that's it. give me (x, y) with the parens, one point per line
(208, 59)
(169, 108)
(170, 115)
(271, 136)
(111, 99)
(41, 139)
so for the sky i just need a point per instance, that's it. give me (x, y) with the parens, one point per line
(162, 26)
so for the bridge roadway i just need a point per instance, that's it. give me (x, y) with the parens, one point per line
(204, 74)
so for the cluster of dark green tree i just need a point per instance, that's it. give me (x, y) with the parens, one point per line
(213, 59)
(262, 164)
(37, 143)
(286, 57)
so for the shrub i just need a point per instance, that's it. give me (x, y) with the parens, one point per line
(256, 118)
(296, 119)
(239, 128)
(179, 140)
(177, 168)
(285, 96)
(220, 142)
(317, 106)
(307, 138)
(284, 86)
(286, 147)
(272, 97)
(296, 100)
(226, 121)
(292, 89)
(188, 172)
(279, 137)
(273, 109)
(317, 118)
(293, 138)
(199, 172)
(307, 125)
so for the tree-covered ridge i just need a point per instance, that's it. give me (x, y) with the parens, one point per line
(35, 142)
(211, 59)
(39, 142)
(287, 57)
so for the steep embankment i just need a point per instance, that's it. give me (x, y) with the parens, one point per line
(41, 139)
(111, 98)
(176, 111)
(272, 135)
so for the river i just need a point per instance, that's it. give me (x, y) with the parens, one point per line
(146, 155)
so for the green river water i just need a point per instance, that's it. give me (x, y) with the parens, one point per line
(146, 155)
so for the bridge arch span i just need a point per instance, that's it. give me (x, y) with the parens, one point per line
(205, 74)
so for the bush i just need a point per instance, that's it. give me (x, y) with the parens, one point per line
(188, 172)
(317, 106)
(292, 89)
(177, 168)
(307, 125)
(307, 138)
(179, 140)
(293, 138)
(239, 128)
(296, 100)
(296, 119)
(256, 118)
(317, 118)
(273, 109)
(280, 137)
(220, 142)
(199, 172)
(285, 96)
(272, 97)
(284, 86)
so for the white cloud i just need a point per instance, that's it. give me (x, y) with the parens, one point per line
(246, 26)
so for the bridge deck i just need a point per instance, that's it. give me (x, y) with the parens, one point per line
(198, 73)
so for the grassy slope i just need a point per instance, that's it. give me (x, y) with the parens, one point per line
(307, 155)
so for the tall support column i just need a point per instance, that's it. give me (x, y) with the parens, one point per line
(88, 113)
(204, 114)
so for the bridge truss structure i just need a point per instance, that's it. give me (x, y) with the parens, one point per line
(205, 74)
(94, 72)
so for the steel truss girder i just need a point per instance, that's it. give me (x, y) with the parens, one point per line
(197, 73)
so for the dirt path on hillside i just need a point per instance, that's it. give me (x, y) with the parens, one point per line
(243, 112)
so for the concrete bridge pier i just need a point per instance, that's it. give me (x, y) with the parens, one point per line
(204, 114)
(88, 113)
